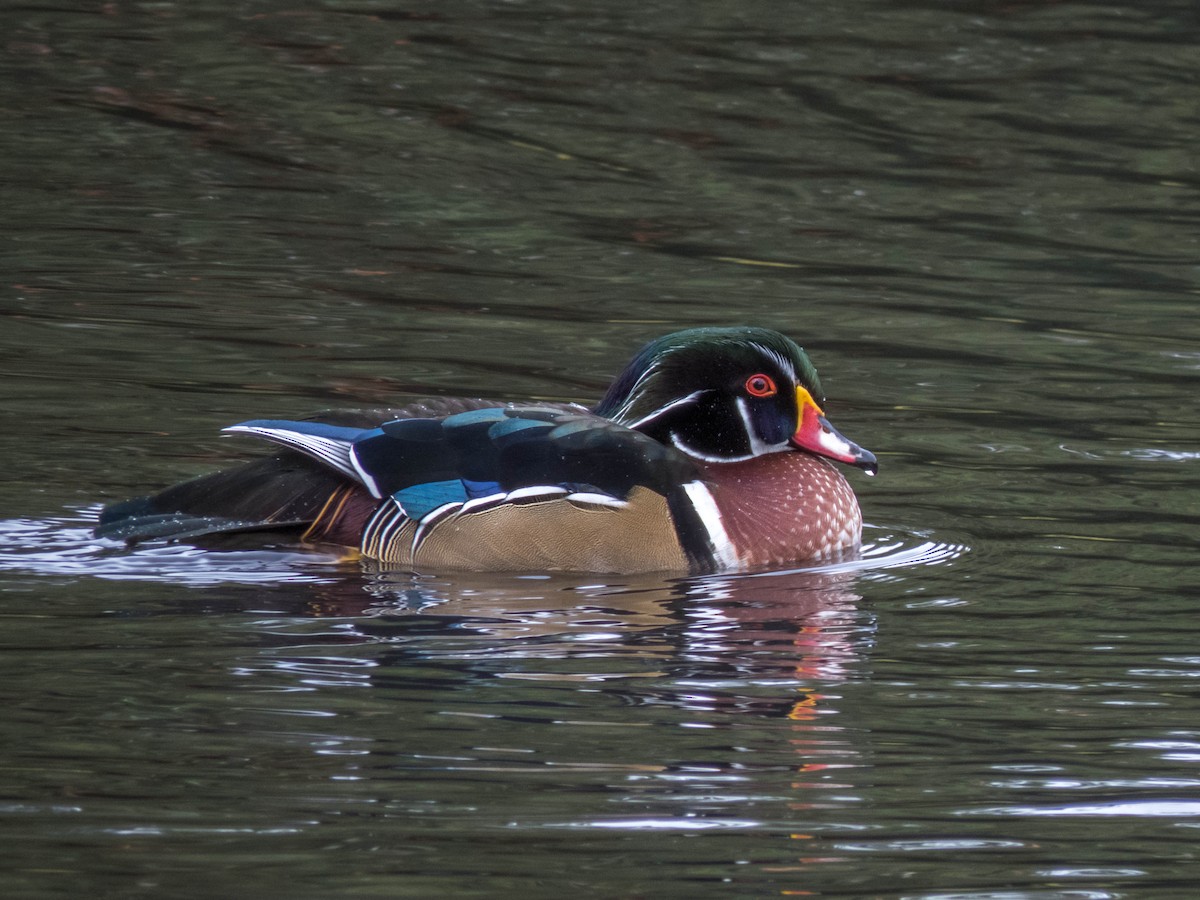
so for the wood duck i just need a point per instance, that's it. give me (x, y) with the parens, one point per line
(710, 452)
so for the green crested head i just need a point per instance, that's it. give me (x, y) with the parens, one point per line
(677, 364)
(726, 394)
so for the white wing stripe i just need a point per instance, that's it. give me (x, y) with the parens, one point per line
(332, 452)
(362, 475)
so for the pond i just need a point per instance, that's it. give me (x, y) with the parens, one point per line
(979, 219)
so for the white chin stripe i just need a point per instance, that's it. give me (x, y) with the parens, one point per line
(706, 509)
(757, 446)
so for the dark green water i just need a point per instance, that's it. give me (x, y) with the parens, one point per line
(980, 219)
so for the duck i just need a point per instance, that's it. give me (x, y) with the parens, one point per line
(710, 452)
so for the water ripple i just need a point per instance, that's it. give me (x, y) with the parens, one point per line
(1174, 809)
(885, 548)
(63, 546)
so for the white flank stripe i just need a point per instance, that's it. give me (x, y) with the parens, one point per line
(368, 535)
(706, 509)
(429, 520)
(394, 524)
(377, 534)
(594, 499)
(490, 500)
(541, 490)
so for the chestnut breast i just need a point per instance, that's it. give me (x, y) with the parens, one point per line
(785, 508)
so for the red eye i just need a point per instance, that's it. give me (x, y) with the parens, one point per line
(760, 386)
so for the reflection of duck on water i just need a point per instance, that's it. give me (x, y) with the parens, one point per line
(802, 626)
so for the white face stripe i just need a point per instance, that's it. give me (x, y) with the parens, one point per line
(783, 362)
(706, 509)
(634, 391)
(682, 401)
(704, 457)
(786, 366)
(757, 446)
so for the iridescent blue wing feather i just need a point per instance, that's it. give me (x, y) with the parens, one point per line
(427, 463)
(477, 458)
(511, 448)
(289, 490)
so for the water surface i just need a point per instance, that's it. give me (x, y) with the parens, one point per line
(979, 220)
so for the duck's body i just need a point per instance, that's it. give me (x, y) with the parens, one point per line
(705, 455)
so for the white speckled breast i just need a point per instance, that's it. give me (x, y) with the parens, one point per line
(785, 508)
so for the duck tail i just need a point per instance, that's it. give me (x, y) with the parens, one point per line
(287, 493)
(290, 492)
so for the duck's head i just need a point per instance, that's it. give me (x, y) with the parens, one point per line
(727, 395)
